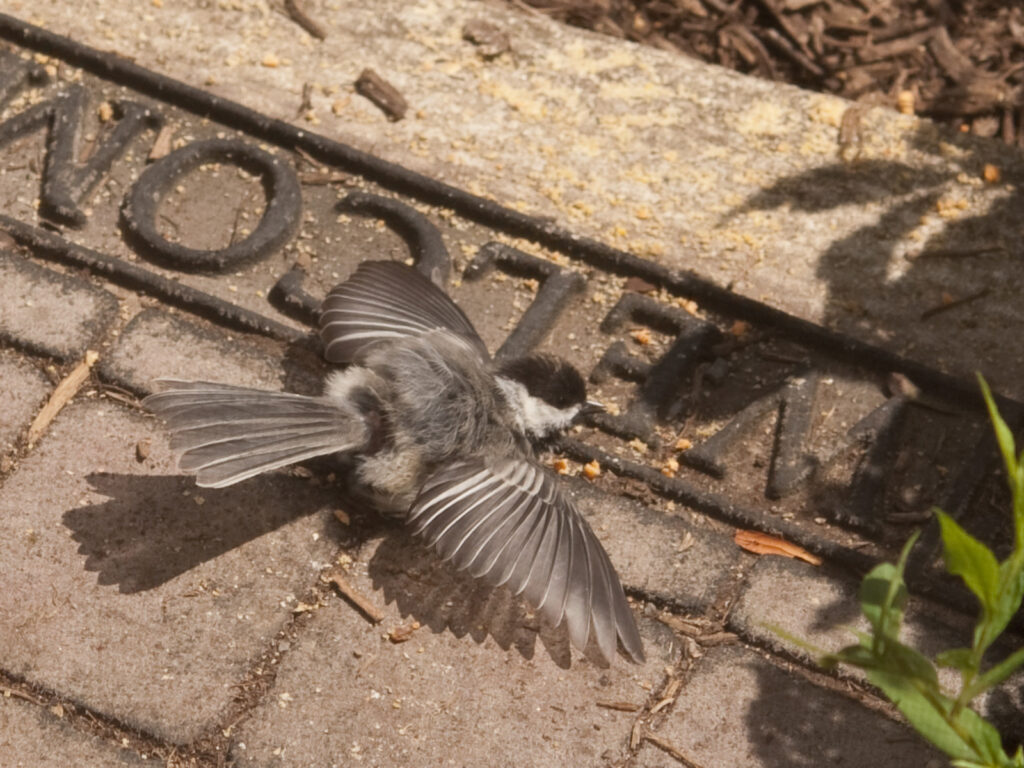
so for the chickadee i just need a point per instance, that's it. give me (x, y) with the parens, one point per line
(435, 432)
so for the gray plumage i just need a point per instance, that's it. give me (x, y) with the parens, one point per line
(436, 433)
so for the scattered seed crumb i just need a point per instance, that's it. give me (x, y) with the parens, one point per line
(561, 466)
(105, 112)
(905, 102)
(271, 61)
(683, 444)
(641, 336)
(739, 329)
(403, 633)
(342, 516)
(591, 469)
(991, 173)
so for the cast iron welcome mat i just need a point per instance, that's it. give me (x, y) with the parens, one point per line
(725, 405)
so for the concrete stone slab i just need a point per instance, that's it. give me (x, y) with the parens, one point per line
(824, 613)
(820, 606)
(24, 390)
(158, 344)
(677, 563)
(48, 312)
(746, 182)
(738, 709)
(31, 737)
(134, 593)
(480, 683)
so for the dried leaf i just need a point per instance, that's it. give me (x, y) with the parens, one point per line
(763, 544)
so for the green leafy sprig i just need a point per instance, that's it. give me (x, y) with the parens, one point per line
(908, 677)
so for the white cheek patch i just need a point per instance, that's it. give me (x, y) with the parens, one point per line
(532, 414)
(540, 418)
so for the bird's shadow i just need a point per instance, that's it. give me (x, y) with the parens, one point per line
(443, 599)
(152, 528)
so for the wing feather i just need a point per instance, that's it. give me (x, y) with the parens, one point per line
(508, 522)
(388, 300)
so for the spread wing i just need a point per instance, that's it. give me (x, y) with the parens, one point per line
(509, 523)
(388, 300)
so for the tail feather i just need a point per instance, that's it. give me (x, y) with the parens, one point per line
(225, 434)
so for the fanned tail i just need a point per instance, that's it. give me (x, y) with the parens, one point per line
(224, 434)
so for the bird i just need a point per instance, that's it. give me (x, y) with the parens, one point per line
(432, 431)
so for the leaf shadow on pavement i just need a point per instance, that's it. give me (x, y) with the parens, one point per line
(439, 597)
(153, 528)
(792, 724)
(891, 283)
(925, 277)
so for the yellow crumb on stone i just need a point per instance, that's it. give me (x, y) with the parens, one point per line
(827, 110)
(561, 466)
(641, 336)
(591, 469)
(739, 329)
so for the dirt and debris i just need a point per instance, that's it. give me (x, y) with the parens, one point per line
(960, 62)
(382, 93)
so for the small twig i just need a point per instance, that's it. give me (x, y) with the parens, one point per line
(792, 53)
(663, 745)
(66, 390)
(336, 577)
(636, 734)
(21, 695)
(929, 313)
(323, 178)
(162, 143)
(307, 99)
(382, 93)
(621, 706)
(303, 19)
(717, 638)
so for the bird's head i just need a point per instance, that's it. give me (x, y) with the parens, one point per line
(546, 394)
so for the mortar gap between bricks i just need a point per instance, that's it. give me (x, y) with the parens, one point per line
(86, 721)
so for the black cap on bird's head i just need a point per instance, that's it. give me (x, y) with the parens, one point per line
(555, 383)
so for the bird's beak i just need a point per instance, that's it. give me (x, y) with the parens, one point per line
(591, 407)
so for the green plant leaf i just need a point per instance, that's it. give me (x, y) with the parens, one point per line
(883, 594)
(957, 658)
(1002, 670)
(874, 596)
(928, 715)
(1003, 434)
(984, 736)
(971, 560)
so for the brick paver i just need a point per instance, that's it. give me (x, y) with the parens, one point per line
(139, 595)
(24, 389)
(48, 312)
(476, 678)
(739, 709)
(31, 737)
